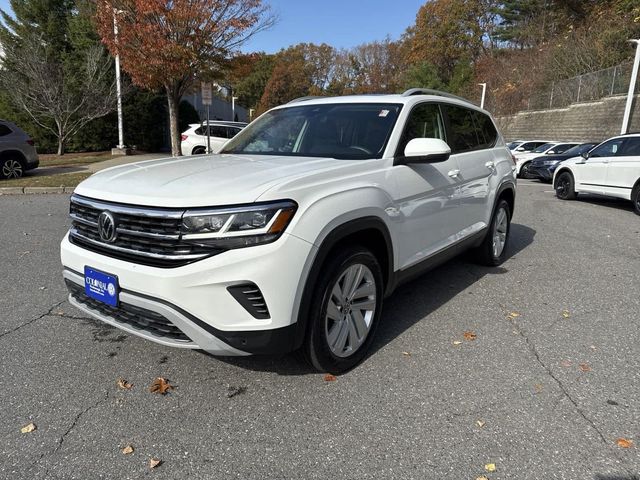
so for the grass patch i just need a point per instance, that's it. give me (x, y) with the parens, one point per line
(74, 159)
(60, 180)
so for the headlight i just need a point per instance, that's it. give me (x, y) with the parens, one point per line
(237, 227)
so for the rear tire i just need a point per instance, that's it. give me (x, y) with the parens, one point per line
(493, 250)
(565, 186)
(199, 151)
(345, 311)
(11, 168)
(635, 198)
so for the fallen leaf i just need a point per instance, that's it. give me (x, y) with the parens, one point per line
(480, 423)
(457, 342)
(127, 450)
(624, 443)
(585, 367)
(330, 378)
(28, 428)
(566, 313)
(482, 478)
(406, 354)
(566, 363)
(154, 462)
(469, 336)
(160, 385)
(514, 315)
(233, 391)
(123, 384)
(490, 467)
(593, 347)
(539, 387)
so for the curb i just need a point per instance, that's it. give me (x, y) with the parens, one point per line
(34, 190)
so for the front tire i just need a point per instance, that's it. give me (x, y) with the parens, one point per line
(493, 250)
(345, 310)
(635, 198)
(11, 168)
(565, 186)
(525, 171)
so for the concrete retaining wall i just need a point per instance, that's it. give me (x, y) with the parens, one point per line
(592, 121)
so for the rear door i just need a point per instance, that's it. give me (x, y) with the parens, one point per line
(591, 176)
(472, 136)
(624, 169)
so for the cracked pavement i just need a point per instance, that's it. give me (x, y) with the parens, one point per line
(554, 393)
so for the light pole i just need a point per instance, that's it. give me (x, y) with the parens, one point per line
(251, 110)
(484, 93)
(120, 145)
(233, 108)
(632, 87)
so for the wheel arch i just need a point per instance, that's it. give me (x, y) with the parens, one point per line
(13, 153)
(370, 232)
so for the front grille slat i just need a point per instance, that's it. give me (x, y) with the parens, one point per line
(130, 315)
(145, 235)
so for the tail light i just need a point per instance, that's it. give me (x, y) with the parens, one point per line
(183, 137)
(31, 142)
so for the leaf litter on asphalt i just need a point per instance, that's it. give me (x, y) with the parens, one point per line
(330, 378)
(123, 384)
(154, 462)
(28, 428)
(624, 443)
(470, 336)
(128, 450)
(160, 385)
(490, 467)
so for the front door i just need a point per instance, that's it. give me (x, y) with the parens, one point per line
(591, 176)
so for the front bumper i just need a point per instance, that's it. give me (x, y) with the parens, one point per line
(541, 172)
(195, 298)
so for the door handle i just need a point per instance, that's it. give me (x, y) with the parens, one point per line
(454, 173)
(490, 165)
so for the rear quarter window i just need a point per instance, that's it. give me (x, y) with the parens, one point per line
(4, 130)
(469, 130)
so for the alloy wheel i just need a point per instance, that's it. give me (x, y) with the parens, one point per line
(12, 169)
(350, 310)
(500, 229)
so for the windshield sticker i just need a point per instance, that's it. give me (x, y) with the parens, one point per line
(383, 113)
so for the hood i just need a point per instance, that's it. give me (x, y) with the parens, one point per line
(203, 180)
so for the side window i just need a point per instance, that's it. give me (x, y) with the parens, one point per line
(4, 130)
(607, 149)
(462, 129)
(487, 133)
(233, 131)
(201, 131)
(218, 131)
(425, 121)
(631, 147)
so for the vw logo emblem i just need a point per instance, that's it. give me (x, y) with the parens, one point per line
(107, 226)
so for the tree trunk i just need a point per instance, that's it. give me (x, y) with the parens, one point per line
(174, 100)
(60, 140)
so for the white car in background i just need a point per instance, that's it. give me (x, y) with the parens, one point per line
(194, 139)
(523, 159)
(612, 168)
(524, 146)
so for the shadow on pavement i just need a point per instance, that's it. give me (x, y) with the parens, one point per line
(609, 202)
(616, 477)
(407, 306)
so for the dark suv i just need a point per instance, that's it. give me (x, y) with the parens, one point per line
(17, 151)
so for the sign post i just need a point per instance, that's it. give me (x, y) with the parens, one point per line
(206, 100)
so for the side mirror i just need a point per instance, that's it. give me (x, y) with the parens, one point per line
(585, 155)
(550, 152)
(424, 150)
(520, 149)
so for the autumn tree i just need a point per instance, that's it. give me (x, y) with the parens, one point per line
(168, 44)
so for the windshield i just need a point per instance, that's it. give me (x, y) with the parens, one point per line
(543, 148)
(342, 131)
(579, 149)
(513, 145)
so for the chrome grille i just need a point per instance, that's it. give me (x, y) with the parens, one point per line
(145, 235)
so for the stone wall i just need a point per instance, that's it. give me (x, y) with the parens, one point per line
(581, 122)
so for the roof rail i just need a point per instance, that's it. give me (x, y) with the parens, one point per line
(428, 91)
(304, 99)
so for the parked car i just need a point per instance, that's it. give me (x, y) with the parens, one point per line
(543, 167)
(612, 168)
(194, 139)
(293, 235)
(523, 160)
(522, 146)
(17, 151)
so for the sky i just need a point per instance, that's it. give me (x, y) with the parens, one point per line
(340, 23)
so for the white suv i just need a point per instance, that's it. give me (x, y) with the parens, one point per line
(193, 140)
(293, 235)
(612, 168)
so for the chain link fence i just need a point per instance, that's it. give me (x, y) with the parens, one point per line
(584, 88)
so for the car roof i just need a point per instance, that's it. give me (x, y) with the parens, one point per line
(220, 123)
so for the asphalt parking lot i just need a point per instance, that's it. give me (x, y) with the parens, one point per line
(545, 390)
